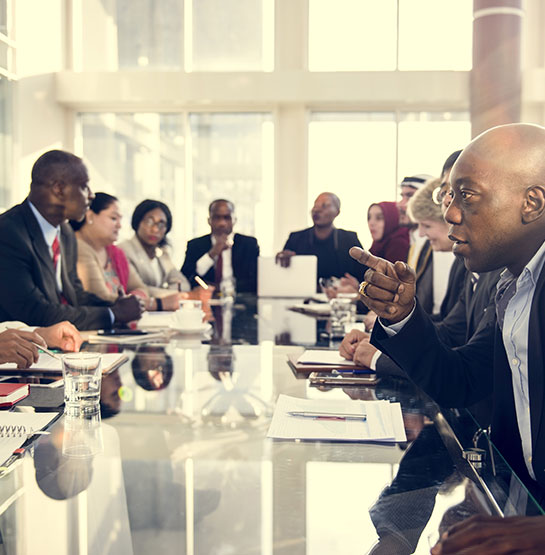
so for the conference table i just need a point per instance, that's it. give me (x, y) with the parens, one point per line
(180, 461)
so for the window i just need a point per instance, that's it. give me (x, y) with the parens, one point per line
(366, 35)
(363, 156)
(185, 161)
(353, 156)
(134, 157)
(233, 159)
(230, 35)
(5, 142)
(149, 33)
(7, 49)
(435, 34)
(427, 138)
(352, 35)
(203, 35)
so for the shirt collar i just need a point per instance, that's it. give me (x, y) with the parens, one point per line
(230, 238)
(49, 231)
(535, 265)
(531, 270)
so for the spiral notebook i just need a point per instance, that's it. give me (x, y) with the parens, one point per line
(17, 427)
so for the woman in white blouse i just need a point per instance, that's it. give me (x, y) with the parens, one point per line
(147, 251)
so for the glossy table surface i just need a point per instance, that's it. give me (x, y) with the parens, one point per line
(180, 462)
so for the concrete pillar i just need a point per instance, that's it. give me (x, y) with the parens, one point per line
(496, 76)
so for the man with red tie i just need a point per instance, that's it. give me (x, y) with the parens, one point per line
(227, 260)
(38, 252)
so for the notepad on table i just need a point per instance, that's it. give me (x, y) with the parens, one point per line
(317, 357)
(10, 393)
(17, 427)
(383, 421)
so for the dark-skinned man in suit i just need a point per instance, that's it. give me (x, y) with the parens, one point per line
(38, 252)
(497, 220)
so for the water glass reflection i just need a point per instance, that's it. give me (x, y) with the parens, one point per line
(82, 438)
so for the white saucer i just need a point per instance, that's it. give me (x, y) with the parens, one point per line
(205, 326)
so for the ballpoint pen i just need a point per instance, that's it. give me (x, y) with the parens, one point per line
(201, 282)
(46, 351)
(319, 415)
(18, 453)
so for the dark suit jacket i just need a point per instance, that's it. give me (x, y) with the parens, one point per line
(475, 308)
(302, 242)
(243, 257)
(472, 306)
(28, 290)
(424, 283)
(465, 375)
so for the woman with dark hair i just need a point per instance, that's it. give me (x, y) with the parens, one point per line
(147, 251)
(102, 267)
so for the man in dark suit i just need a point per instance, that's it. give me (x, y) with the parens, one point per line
(220, 256)
(497, 220)
(328, 243)
(38, 252)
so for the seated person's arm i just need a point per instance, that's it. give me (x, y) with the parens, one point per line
(284, 256)
(453, 377)
(92, 277)
(18, 347)
(63, 336)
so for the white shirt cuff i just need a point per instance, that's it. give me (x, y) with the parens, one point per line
(204, 264)
(393, 329)
(14, 325)
(373, 364)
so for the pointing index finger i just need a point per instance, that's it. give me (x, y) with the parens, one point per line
(365, 257)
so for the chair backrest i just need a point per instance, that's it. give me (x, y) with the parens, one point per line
(299, 280)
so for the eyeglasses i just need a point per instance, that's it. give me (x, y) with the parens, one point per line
(439, 193)
(150, 222)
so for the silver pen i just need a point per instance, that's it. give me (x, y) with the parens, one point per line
(47, 351)
(319, 415)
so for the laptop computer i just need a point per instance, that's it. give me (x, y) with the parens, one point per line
(299, 280)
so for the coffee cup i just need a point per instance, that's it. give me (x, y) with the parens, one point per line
(190, 315)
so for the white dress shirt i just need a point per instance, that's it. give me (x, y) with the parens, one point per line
(205, 262)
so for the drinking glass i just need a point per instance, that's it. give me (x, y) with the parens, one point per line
(82, 376)
(343, 312)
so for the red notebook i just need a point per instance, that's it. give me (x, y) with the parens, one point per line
(10, 393)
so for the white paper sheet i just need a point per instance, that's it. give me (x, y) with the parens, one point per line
(323, 356)
(383, 423)
(316, 309)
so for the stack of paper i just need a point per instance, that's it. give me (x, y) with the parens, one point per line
(156, 320)
(127, 339)
(314, 309)
(380, 420)
(321, 360)
(323, 357)
(46, 363)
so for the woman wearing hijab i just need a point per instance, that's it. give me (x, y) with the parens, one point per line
(390, 241)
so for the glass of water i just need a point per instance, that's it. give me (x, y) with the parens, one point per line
(82, 375)
(343, 312)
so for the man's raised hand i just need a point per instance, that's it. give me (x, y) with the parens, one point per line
(389, 289)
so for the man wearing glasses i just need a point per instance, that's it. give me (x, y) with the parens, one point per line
(223, 258)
